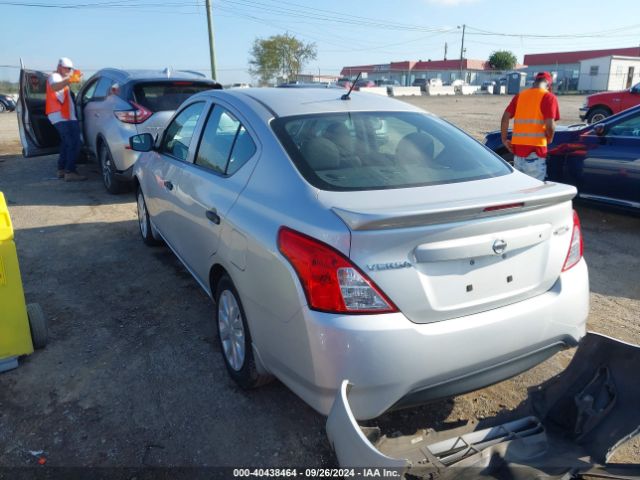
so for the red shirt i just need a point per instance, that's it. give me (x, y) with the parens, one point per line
(549, 108)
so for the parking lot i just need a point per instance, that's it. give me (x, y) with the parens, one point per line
(132, 375)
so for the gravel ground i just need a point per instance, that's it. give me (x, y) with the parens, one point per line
(133, 375)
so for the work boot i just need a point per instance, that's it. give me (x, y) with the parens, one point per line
(73, 177)
(61, 173)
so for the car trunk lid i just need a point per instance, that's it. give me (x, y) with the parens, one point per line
(470, 249)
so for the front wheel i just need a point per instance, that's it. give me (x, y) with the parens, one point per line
(235, 338)
(597, 114)
(144, 221)
(2, 107)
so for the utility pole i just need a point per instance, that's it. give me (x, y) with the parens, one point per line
(212, 48)
(462, 49)
(445, 50)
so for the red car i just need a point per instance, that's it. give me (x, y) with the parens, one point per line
(601, 105)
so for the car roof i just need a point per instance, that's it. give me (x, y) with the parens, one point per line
(152, 75)
(285, 102)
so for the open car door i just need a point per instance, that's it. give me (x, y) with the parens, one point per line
(37, 135)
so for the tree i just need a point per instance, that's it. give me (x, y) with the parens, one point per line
(279, 55)
(502, 60)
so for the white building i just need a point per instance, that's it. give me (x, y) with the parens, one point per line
(613, 72)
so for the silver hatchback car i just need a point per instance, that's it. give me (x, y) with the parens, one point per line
(112, 105)
(361, 239)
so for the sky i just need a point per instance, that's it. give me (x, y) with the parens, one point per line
(157, 34)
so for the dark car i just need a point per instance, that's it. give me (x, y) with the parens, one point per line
(7, 103)
(364, 83)
(387, 82)
(601, 160)
(344, 82)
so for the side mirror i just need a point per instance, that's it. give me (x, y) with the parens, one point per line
(142, 142)
(600, 129)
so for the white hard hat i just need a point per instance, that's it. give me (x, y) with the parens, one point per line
(65, 62)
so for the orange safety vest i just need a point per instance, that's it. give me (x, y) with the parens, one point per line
(528, 122)
(53, 104)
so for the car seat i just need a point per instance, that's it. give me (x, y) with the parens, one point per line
(321, 154)
(415, 149)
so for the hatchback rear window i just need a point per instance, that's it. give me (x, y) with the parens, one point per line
(163, 96)
(382, 150)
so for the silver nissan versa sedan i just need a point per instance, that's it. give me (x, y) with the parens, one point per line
(361, 239)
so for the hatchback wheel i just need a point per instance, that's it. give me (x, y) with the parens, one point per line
(108, 170)
(235, 338)
(144, 222)
(2, 107)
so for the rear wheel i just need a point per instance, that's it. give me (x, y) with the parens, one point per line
(108, 170)
(144, 221)
(235, 338)
(2, 107)
(598, 114)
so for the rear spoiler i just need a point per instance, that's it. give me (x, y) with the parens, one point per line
(569, 428)
(519, 201)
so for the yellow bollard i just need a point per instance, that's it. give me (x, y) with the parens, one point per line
(15, 316)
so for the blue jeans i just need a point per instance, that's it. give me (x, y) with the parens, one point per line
(69, 132)
(533, 165)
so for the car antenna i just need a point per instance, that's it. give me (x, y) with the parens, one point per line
(346, 95)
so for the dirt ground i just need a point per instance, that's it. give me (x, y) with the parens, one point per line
(133, 375)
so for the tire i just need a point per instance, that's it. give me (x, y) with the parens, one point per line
(144, 221)
(37, 325)
(235, 338)
(108, 170)
(506, 155)
(598, 114)
(3, 107)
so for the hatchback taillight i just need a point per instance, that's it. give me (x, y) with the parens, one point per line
(137, 115)
(576, 247)
(330, 281)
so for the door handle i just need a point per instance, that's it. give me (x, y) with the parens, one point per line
(213, 216)
(168, 185)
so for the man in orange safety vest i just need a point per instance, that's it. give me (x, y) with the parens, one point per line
(534, 112)
(62, 114)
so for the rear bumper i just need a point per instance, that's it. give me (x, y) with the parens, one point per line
(125, 175)
(124, 159)
(393, 361)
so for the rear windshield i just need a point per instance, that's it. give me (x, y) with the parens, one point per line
(381, 150)
(162, 96)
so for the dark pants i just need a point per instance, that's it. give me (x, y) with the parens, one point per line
(69, 132)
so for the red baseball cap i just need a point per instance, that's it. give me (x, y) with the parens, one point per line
(546, 76)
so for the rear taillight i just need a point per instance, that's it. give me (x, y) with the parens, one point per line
(576, 247)
(137, 115)
(330, 281)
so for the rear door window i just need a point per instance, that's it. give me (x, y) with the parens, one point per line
(168, 95)
(381, 150)
(179, 133)
(226, 145)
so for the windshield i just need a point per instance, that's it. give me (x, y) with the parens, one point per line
(163, 96)
(381, 150)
